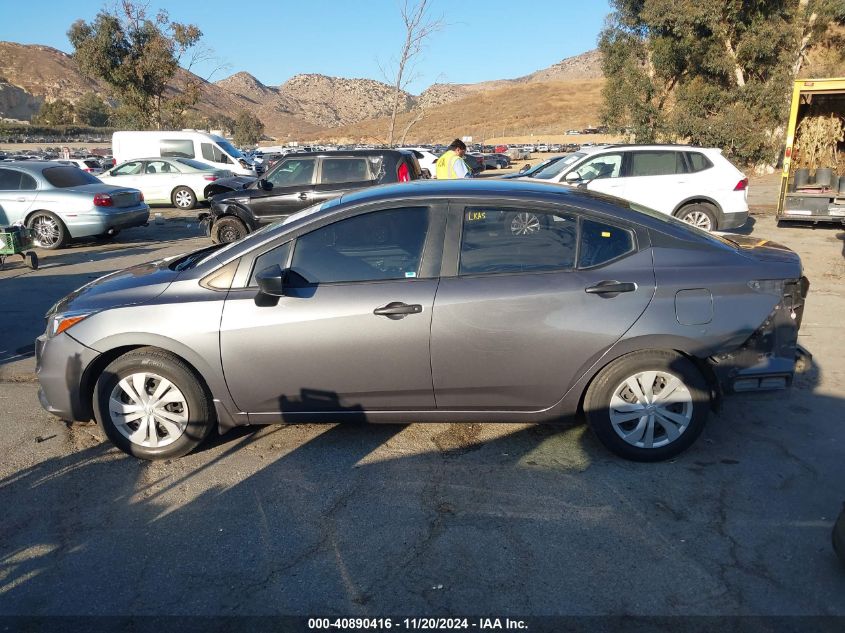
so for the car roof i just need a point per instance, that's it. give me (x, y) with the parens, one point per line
(350, 152)
(637, 146)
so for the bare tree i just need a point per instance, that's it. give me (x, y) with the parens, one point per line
(418, 26)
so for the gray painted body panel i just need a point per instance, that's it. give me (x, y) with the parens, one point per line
(508, 347)
(322, 348)
(517, 340)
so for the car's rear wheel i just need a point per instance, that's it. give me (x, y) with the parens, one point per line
(648, 406)
(152, 405)
(228, 229)
(700, 215)
(184, 198)
(50, 232)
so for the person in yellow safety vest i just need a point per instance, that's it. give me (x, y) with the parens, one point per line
(452, 165)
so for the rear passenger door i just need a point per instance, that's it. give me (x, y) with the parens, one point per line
(657, 179)
(341, 174)
(519, 310)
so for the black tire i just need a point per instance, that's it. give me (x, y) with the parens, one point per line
(228, 229)
(183, 198)
(838, 537)
(107, 237)
(611, 381)
(199, 418)
(697, 214)
(50, 232)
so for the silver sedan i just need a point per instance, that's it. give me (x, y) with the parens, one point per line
(62, 202)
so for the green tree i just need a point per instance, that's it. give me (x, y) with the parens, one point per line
(138, 56)
(247, 129)
(91, 110)
(58, 112)
(713, 73)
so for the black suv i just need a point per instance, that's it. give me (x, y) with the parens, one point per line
(301, 180)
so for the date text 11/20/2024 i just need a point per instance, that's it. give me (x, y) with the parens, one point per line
(417, 624)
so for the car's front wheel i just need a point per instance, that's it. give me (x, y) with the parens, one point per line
(228, 229)
(648, 406)
(152, 405)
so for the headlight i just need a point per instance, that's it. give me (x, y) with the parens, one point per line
(58, 323)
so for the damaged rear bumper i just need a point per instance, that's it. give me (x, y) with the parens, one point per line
(766, 361)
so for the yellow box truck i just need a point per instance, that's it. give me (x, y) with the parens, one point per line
(801, 199)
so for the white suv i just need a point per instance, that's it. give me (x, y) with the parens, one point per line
(695, 184)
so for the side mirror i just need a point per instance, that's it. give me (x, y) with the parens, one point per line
(266, 185)
(572, 177)
(271, 281)
(525, 168)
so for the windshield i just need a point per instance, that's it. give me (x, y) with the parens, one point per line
(550, 171)
(63, 176)
(230, 149)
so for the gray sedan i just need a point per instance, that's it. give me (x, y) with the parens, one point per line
(432, 301)
(62, 202)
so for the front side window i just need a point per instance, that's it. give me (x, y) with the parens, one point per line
(292, 173)
(339, 170)
(275, 257)
(177, 148)
(603, 166)
(128, 169)
(373, 246)
(517, 241)
(657, 163)
(601, 243)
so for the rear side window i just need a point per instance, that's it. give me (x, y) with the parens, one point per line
(369, 247)
(11, 180)
(177, 148)
(338, 170)
(516, 241)
(657, 163)
(62, 177)
(92, 164)
(698, 162)
(601, 243)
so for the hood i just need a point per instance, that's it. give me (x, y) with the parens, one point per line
(235, 183)
(131, 286)
(764, 250)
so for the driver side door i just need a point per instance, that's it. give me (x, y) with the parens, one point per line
(293, 183)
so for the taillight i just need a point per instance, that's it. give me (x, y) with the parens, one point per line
(87, 170)
(103, 200)
(403, 174)
(140, 196)
(210, 178)
(742, 185)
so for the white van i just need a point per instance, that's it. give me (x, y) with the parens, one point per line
(207, 148)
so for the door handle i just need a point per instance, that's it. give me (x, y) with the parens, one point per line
(21, 199)
(611, 287)
(396, 310)
(303, 196)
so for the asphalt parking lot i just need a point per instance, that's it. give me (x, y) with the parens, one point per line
(498, 519)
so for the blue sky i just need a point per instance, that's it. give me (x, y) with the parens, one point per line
(277, 39)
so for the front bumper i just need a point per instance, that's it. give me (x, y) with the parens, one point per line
(98, 223)
(60, 365)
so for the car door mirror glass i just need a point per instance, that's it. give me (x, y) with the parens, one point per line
(265, 185)
(271, 281)
(572, 177)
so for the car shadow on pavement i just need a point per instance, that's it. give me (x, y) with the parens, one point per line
(365, 520)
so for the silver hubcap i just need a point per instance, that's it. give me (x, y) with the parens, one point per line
(525, 223)
(46, 230)
(651, 409)
(148, 410)
(183, 198)
(698, 219)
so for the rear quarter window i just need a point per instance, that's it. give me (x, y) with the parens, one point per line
(698, 161)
